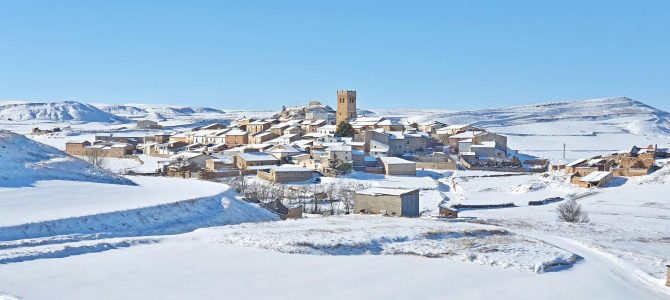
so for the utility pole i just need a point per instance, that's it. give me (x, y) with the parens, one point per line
(564, 151)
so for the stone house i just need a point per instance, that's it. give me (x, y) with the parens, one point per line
(85, 148)
(431, 126)
(254, 159)
(286, 174)
(397, 166)
(594, 179)
(387, 201)
(236, 137)
(258, 126)
(262, 137)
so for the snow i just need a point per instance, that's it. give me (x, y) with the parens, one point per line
(394, 160)
(83, 238)
(25, 161)
(56, 111)
(595, 176)
(384, 191)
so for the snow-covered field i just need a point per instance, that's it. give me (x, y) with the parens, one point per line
(70, 233)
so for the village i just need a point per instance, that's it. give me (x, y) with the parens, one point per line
(278, 161)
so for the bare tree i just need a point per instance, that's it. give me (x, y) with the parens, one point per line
(97, 158)
(346, 193)
(571, 211)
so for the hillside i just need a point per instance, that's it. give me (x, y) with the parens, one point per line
(630, 115)
(56, 111)
(144, 110)
(25, 161)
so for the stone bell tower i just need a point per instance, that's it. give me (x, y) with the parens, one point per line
(346, 106)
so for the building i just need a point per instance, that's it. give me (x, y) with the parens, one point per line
(398, 166)
(431, 126)
(262, 137)
(236, 137)
(387, 201)
(258, 126)
(594, 179)
(112, 150)
(284, 212)
(255, 159)
(346, 106)
(286, 174)
(148, 124)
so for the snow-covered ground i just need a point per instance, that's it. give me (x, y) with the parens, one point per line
(82, 236)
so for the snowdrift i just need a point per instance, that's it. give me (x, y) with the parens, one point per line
(25, 161)
(57, 111)
(170, 218)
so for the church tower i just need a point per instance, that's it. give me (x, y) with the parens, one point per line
(346, 106)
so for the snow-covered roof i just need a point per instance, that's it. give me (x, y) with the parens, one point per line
(467, 134)
(290, 168)
(487, 144)
(340, 148)
(385, 191)
(576, 162)
(257, 156)
(390, 160)
(595, 176)
(236, 132)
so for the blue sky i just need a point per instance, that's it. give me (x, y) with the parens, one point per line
(262, 54)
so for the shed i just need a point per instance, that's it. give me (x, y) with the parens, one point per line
(388, 201)
(596, 179)
(398, 166)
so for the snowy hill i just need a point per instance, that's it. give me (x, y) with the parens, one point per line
(56, 111)
(25, 161)
(144, 110)
(634, 116)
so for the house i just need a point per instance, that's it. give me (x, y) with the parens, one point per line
(387, 201)
(278, 129)
(147, 124)
(285, 139)
(342, 153)
(186, 137)
(572, 166)
(327, 129)
(594, 179)
(262, 137)
(476, 138)
(254, 159)
(258, 126)
(286, 174)
(163, 137)
(284, 212)
(317, 111)
(236, 137)
(389, 125)
(112, 150)
(197, 160)
(398, 166)
(283, 152)
(315, 125)
(216, 163)
(431, 126)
